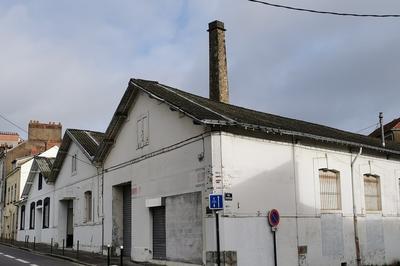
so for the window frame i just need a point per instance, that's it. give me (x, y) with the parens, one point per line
(378, 195)
(338, 190)
(46, 213)
(40, 181)
(88, 195)
(142, 132)
(22, 221)
(32, 215)
(74, 164)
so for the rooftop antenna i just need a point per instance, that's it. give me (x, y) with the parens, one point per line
(382, 131)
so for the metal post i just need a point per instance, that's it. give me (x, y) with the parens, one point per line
(217, 231)
(108, 255)
(77, 249)
(27, 242)
(63, 246)
(51, 246)
(382, 129)
(122, 254)
(34, 242)
(275, 257)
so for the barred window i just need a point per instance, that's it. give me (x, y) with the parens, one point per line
(372, 192)
(330, 190)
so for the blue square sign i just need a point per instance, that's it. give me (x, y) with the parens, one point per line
(216, 202)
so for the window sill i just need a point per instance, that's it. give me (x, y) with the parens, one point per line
(331, 211)
(373, 212)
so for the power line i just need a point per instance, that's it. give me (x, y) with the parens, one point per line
(374, 125)
(12, 123)
(24, 130)
(327, 12)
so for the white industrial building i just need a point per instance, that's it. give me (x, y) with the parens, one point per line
(171, 149)
(165, 151)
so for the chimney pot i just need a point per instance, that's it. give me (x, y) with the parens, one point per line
(219, 90)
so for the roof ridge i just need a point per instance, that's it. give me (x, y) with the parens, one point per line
(86, 130)
(265, 113)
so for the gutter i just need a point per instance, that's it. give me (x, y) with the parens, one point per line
(300, 134)
(355, 221)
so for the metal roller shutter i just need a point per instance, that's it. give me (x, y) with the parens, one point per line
(159, 243)
(127, 220)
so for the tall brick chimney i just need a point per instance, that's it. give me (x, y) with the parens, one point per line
(219, 90)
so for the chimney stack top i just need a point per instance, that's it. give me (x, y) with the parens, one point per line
(219, 90)
(216, 24)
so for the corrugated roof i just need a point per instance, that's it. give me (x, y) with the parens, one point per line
(88, 141)
(45, 165)
(42, 164)
(211, 112)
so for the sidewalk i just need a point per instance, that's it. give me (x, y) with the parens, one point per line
(83, 257)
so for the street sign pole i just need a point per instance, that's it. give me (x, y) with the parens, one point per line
(273, 220)
(217, 231)
(275, 257)
(216, 203)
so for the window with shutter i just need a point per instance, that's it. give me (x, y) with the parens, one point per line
(330, 190)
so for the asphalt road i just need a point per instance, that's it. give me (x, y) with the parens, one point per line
(10, 256)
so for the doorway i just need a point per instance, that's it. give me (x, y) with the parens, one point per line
(70, 224)
(122, 217)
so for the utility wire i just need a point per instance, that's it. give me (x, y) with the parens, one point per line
(374, 125)
(12, 123)
(327, 12)
(24, 130)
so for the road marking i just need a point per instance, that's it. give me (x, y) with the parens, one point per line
(9, 256)
(23, 261)
(1, 253)
(34, 265)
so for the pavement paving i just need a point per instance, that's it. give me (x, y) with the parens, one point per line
(29, 253)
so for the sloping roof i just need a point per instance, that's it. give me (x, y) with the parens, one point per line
(41, 164)
(45, 165)
(209, 112)
(389, 126)
(88, 141)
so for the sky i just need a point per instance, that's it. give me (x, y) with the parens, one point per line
(70, 61)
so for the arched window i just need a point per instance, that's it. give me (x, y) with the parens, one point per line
(32, 216)
(372, 192)
(22, 225)
(330, 189)
(46, 212)
(88, 206)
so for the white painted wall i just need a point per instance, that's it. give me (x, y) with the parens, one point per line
(264, 174)
(73, 186)
(69, 186)
(41, 234)
(161, 174)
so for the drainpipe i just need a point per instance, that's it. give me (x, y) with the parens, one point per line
(382, 130)
(356, 238)
(102, 207)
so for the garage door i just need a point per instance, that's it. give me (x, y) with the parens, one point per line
(127, 220)
(159, 243)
